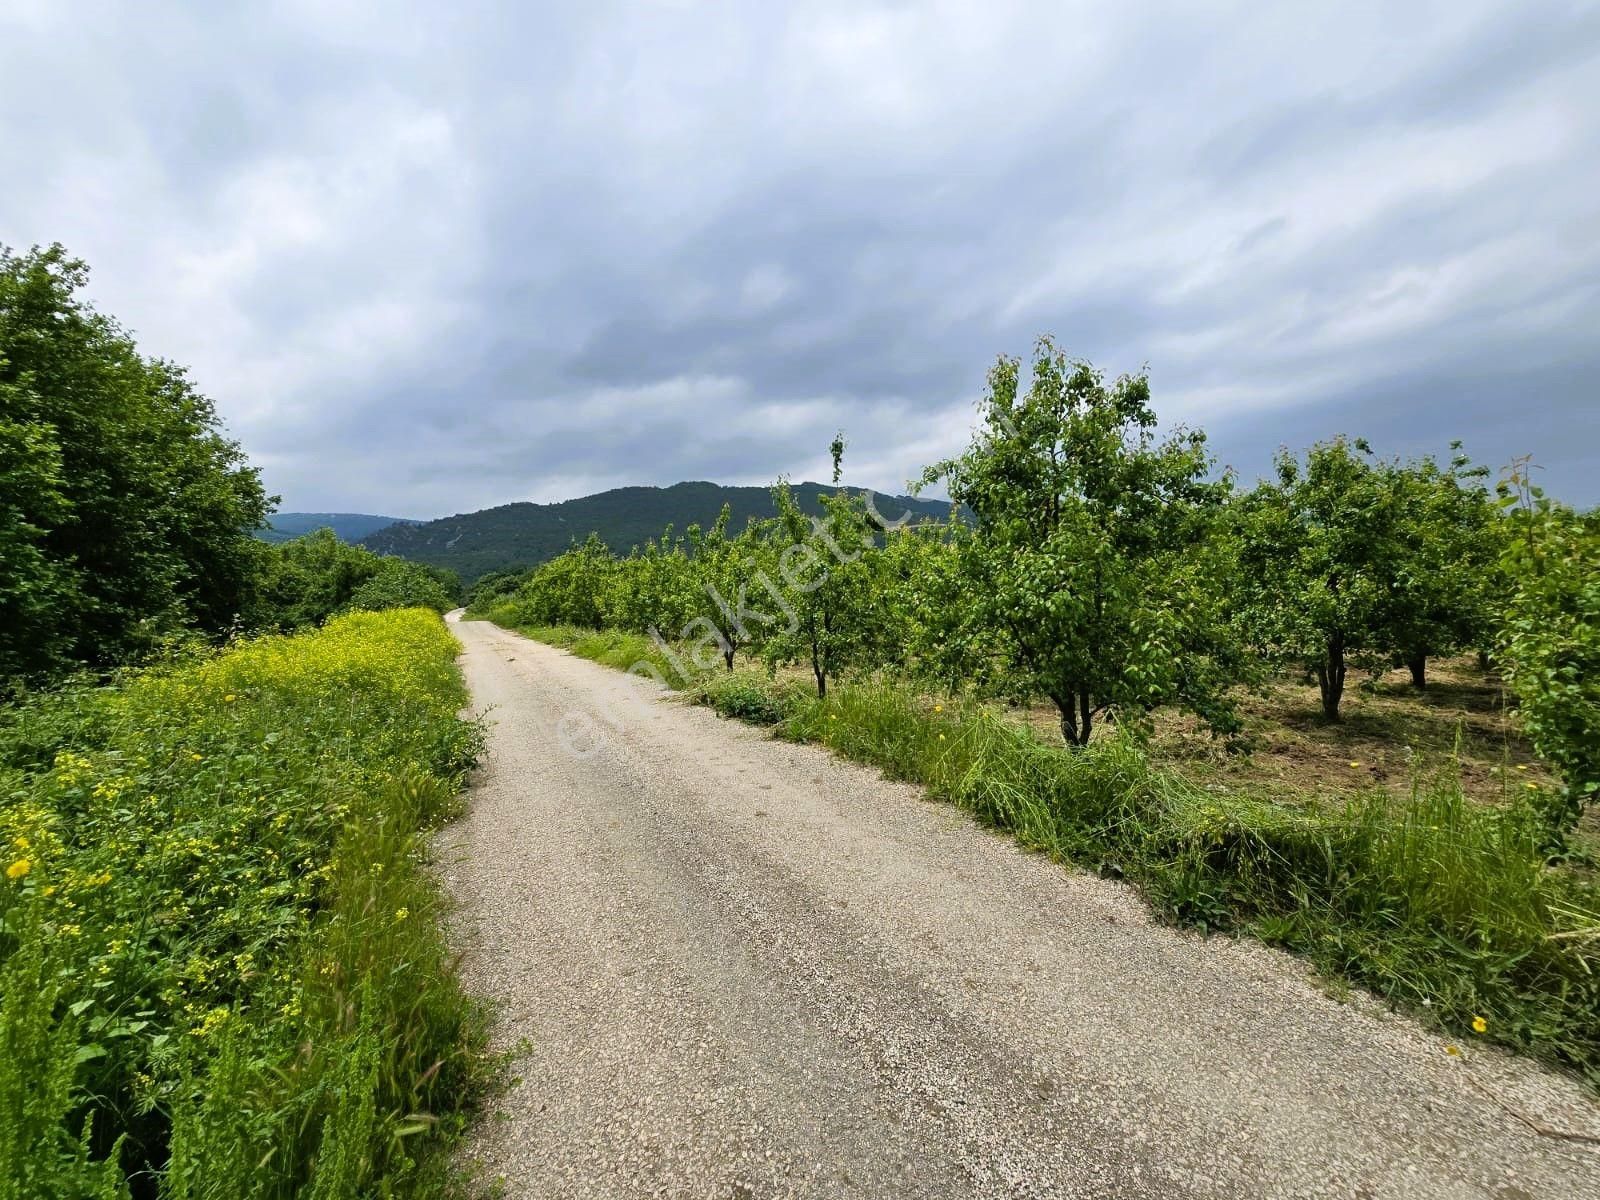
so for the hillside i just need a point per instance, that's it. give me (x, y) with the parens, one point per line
(281, 527)
(524, 534)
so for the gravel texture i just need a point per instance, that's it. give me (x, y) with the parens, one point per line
(742, 968)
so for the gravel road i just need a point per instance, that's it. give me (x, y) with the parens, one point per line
(746, 969)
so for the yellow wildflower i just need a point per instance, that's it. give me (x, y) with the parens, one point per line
(214, 1019)
(941, 737)
(1355, 762)
(20, 842)
(938, 708)
(229, 698)
(196, 757)
(18, 869)
(1479, 1025)
(400, 914)
(1454, 1051)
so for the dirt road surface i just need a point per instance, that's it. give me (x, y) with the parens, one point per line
(745, 969)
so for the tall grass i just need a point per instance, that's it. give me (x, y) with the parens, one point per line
(614, 648)
(1442, 906)
(224, 972)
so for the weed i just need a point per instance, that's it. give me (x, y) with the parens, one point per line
(250, 994)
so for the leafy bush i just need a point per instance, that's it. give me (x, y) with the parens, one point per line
(753, 698)
(401, 584)
(1551, 644)
(307, 579)
(216, 870)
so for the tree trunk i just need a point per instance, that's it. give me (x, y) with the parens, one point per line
(727, 657)
(1483, 660)
(1418, 664)
(821, 675)
(1075, 718)
(1330, 677)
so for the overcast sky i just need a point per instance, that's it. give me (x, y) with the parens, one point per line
(431, 257)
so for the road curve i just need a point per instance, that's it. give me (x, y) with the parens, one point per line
(744, 968)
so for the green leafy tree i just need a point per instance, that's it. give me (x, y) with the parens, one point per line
(39, 586)
(725, 571)
(1441, 598)
(128, 514)
(1550, 641)
(654, 588)
(571, 589)
(823, 569)
(919, 574)
(1321, 548)
(1087, 578)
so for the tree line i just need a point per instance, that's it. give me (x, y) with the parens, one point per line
(1112, 570)
(127, 516)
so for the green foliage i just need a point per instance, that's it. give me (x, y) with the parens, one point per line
(216, 869)
(402, 584)
(1349, 558)
(1089, 576)
(42, 1156)
(573, 589)
(1550, 640)
(823, 576)
(1443, 595)
(307, 580)
(125, 514)
(725, 569)
(1321, 549)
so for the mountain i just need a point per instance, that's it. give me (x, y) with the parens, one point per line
(524, 534)
(351, 527)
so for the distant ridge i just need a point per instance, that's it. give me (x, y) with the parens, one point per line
(525, 534)
(350, 527)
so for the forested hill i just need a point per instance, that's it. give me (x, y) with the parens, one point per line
(281, 527)
(523, 535)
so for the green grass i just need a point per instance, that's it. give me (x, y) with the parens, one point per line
(609, 647)
(1441, 906)
(222, 967)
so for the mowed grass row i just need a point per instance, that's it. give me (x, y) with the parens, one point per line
(221, 966)
(1442, 906)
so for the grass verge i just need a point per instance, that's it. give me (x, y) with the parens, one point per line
(1441, 906)
(222, 972)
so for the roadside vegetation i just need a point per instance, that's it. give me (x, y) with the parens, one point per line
(222, 972)
(127, 517)
(1204, 655)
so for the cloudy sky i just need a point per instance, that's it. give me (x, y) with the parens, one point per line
(431, 257)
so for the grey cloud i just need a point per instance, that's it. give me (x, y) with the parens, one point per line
(430, 258)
